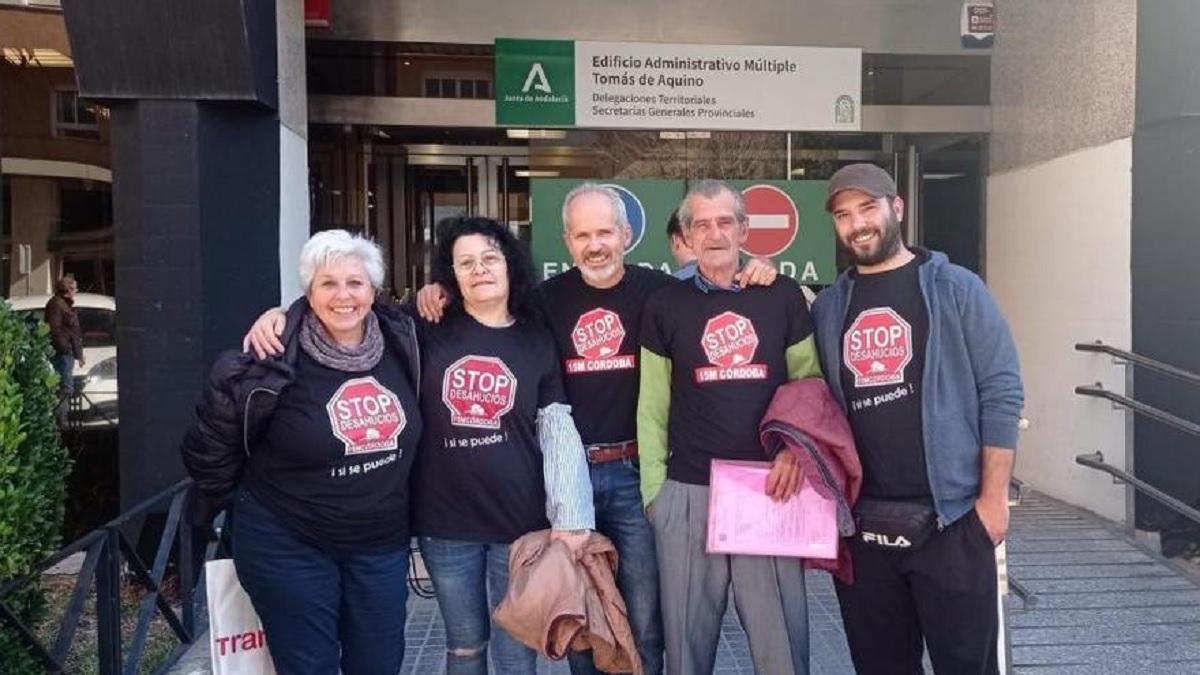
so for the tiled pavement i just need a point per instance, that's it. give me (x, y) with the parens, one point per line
(426, 642)
(1101, 605)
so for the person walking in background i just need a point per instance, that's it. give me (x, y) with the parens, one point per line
(66, 337)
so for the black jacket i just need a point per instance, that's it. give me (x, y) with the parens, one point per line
(240, 397)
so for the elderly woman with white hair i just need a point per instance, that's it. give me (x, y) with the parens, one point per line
(314, 448)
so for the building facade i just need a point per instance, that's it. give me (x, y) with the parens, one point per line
(1041, 144)
(56, 168)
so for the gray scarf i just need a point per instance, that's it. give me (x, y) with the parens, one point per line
(316, 342)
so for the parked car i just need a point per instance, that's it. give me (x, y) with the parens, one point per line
(98, 376)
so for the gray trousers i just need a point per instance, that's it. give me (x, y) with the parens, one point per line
(768, 592)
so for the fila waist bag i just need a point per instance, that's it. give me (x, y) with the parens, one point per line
(894, 525)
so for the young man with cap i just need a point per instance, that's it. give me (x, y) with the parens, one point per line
(921, 359)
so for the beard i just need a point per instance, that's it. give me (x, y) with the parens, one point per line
(884, 247)
(599, 275)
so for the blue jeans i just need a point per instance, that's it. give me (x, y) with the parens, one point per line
(320, 611)
(471, 579)
(617, 495)
(64, 365)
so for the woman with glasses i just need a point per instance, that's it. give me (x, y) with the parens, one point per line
(498, 430)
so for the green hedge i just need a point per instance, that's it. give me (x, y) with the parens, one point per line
(33, 469)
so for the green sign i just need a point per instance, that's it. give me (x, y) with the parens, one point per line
(788, 224)
(535, 82)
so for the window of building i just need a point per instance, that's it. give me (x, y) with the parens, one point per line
(73, 117)
(84, 206)
(95, 273)
(926, 79)
(457, 85)
(400, 69)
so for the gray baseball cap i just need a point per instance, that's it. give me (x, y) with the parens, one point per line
(866, 178)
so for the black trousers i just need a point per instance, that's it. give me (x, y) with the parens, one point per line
(943, 594)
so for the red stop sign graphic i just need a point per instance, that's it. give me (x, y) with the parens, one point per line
(598, 334)
(774, 220)
(877, 347)
(729, 340)
(366, 416)
(478, 390)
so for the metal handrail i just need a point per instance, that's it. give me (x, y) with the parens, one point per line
(1133, 485)
(1098, 391)
(1146, 362)
(107, 549)
(1096, 461)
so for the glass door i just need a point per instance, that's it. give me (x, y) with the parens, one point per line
(435, 192)
(445, 181)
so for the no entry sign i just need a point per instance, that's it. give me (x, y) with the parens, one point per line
(774, 220)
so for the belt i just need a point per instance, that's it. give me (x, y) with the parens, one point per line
(611, 452)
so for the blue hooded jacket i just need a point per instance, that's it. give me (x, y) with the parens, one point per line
(971, 394)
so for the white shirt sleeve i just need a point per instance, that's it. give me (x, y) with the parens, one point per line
(569, 503)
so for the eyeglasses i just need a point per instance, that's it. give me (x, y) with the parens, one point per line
(490, 261)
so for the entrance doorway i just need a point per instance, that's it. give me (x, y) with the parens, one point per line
(444, 181)
(395, 189)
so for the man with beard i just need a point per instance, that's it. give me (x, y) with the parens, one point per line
(713, 354)
(922, 361)
(594, 310)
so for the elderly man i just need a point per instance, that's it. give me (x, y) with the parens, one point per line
(921, 359)
(713, 354)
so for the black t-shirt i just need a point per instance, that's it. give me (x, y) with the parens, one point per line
(597, 334)
(727, 353)
(334, 459)
(478, 475)
(883, 361)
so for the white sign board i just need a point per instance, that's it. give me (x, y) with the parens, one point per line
(653, 86)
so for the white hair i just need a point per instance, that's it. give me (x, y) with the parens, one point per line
(710, 189)
(330, 245)
(614, 199)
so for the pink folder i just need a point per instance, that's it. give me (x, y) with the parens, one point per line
(743, 520)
